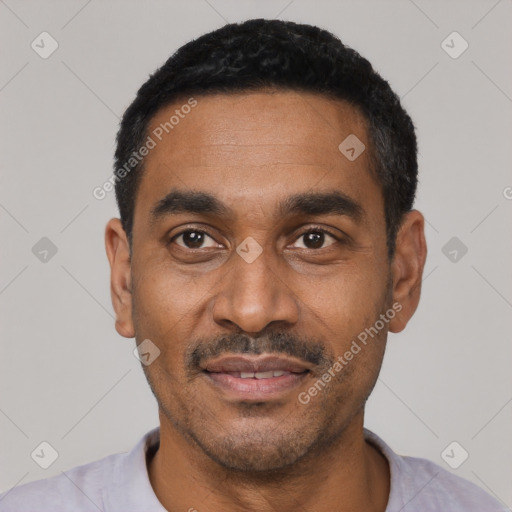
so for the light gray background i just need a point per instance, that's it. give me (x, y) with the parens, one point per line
(67, 378)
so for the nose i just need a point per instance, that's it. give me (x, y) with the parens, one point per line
(254, 295)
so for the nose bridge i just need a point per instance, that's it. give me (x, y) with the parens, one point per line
(253, 294)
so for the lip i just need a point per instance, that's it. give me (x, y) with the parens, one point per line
(265, 363)
(225, 374)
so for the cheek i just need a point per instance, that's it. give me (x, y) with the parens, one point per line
(163, 309)
(347, 302)
(164, 295)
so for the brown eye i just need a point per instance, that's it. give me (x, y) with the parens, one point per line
(194, 239)
(315, 239)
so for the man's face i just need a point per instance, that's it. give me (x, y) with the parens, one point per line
(310, 274)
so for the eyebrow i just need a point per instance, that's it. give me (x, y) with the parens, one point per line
(309, 203)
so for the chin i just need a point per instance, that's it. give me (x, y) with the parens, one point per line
(257, 445)
(256, 456)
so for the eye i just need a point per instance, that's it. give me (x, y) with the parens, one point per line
(194, 239)
(316, 238)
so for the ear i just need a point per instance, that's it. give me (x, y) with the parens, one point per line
(407, 268)
(118, 253)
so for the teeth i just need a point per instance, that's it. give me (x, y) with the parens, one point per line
(262, 375)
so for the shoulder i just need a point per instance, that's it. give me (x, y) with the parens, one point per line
(420, 484)
(79, 489)
(429, 483)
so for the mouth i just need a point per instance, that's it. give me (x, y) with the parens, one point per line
(258, 379)
(257, 375)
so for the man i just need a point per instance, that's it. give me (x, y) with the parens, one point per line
(265, 177)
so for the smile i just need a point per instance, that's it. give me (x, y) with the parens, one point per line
(259, 375)
(261, 378)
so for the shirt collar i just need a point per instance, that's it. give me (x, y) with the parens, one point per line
(130, 488)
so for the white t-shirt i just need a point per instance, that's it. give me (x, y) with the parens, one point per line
(120, 483)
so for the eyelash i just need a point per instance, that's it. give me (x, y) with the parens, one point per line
(313, 229)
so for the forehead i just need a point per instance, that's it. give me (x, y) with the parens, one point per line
(303, 120)
(254, 146)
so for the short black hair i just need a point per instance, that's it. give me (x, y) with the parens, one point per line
(261, 54)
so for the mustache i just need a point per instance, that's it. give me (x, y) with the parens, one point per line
(313, 352)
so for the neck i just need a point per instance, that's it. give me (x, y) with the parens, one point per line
(352, 475)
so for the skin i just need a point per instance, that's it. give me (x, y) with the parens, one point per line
(252, 151)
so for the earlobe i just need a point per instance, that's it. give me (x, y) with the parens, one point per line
(118, 253)
(407, 268)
